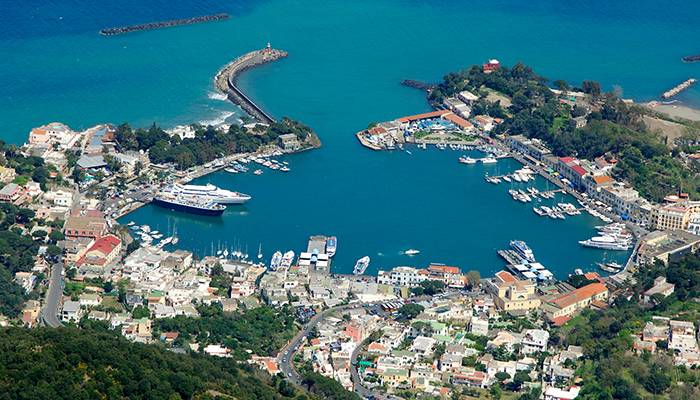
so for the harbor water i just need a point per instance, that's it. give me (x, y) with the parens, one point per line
(345, 62)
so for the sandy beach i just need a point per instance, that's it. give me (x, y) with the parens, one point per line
(676, 110)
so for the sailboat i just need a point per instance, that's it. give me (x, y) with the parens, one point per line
(260, 254)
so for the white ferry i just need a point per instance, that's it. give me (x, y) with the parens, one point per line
(216, 194)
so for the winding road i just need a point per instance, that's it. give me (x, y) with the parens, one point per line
(49, 313)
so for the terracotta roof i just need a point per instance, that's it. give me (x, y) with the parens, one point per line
(505, 276)
(567, 160)
(427, 115)
(445, 269)
(579, 170)
(106, 244)
(593, 276)
(601, 179)
(559, 321)
(580, 294)
(459, 121)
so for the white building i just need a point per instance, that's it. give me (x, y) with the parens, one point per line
(402, 276)
(534, 340)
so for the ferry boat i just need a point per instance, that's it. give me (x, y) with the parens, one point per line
(331, 246)
(467, 160)
(523, 250)
(411, 252)
(216, 194)
(276, 260)
(361, 266)
(201, 206)
(606, 242)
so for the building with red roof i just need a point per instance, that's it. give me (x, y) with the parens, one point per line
(569, 303)
(102, 253)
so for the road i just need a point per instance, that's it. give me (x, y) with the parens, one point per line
(49, 313)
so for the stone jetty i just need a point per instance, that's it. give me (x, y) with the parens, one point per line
(225, 80)
(162, 24)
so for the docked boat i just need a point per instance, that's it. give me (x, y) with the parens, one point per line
(361, 266)
(216, 194)
(276, 261)
(611, 267)
(467, 160)
(331, 246)
(488, 160)
(606, 242)
(507, 178)
(231, 170)
(287, 259)
(194, 205)
(411, 252)
(523, 250)
(539, 211)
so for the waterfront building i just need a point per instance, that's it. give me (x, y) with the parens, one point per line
(54, 133)
(571, 169)
(402, 276)
(289, 142)
(675, 215)
(512, 294)
(667, 246)
(531, 147)
(467, 96)
(490, 66)
(624, 200)
(560, 308)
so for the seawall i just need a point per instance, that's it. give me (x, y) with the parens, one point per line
(225, 80)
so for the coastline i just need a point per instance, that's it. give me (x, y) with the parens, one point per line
(674, 109)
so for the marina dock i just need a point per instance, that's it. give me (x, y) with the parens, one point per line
(225, 80)
(679, 88)
(162, 24)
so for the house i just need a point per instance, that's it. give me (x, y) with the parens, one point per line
(10, 193)
(491, 66)
(478, 326)
(85, 223)
(289, 142)
(660, 287)
(553, 393)
(7, 174)
(30, 313)
(71, 311)
(567, 304)
(682, 336)
(26, 280)
(534, 340)
(89, 299)
(423, 346)
(169, 337)
(217, 350)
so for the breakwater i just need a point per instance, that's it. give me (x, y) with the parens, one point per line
(679, 88)
(418, 85)
(163, 24)
(690, 59)
(225, 80)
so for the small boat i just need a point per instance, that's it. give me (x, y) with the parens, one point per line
(488, 160)
(260, 254)
(175, 240)
(507, 178)
(275, 261)
(411, 252)
(258, 172)
(131, 223)
(231, 170)
(361, 265)
(611, 267)
(331, 246)
(467, 160)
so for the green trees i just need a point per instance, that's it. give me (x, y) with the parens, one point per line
(262, 330)
(410, 310)
(327, 388)
(208, 143)
(69, 363)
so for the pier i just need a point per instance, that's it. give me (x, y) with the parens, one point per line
(418, 85)
(163, 24)
(225, 80)
(679, 88)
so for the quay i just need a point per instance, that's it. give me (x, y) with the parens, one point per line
(163, 24)
(225, 80)
(679, 88)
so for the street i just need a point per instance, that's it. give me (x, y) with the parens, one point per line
(49, 313)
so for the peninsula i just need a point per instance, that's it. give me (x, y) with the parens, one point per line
(225, 80)
(162, 24)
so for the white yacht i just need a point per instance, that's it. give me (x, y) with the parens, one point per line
(216, 194)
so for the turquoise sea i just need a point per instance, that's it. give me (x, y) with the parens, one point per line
(346, 61)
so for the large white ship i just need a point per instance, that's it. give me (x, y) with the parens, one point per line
(216, 194)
